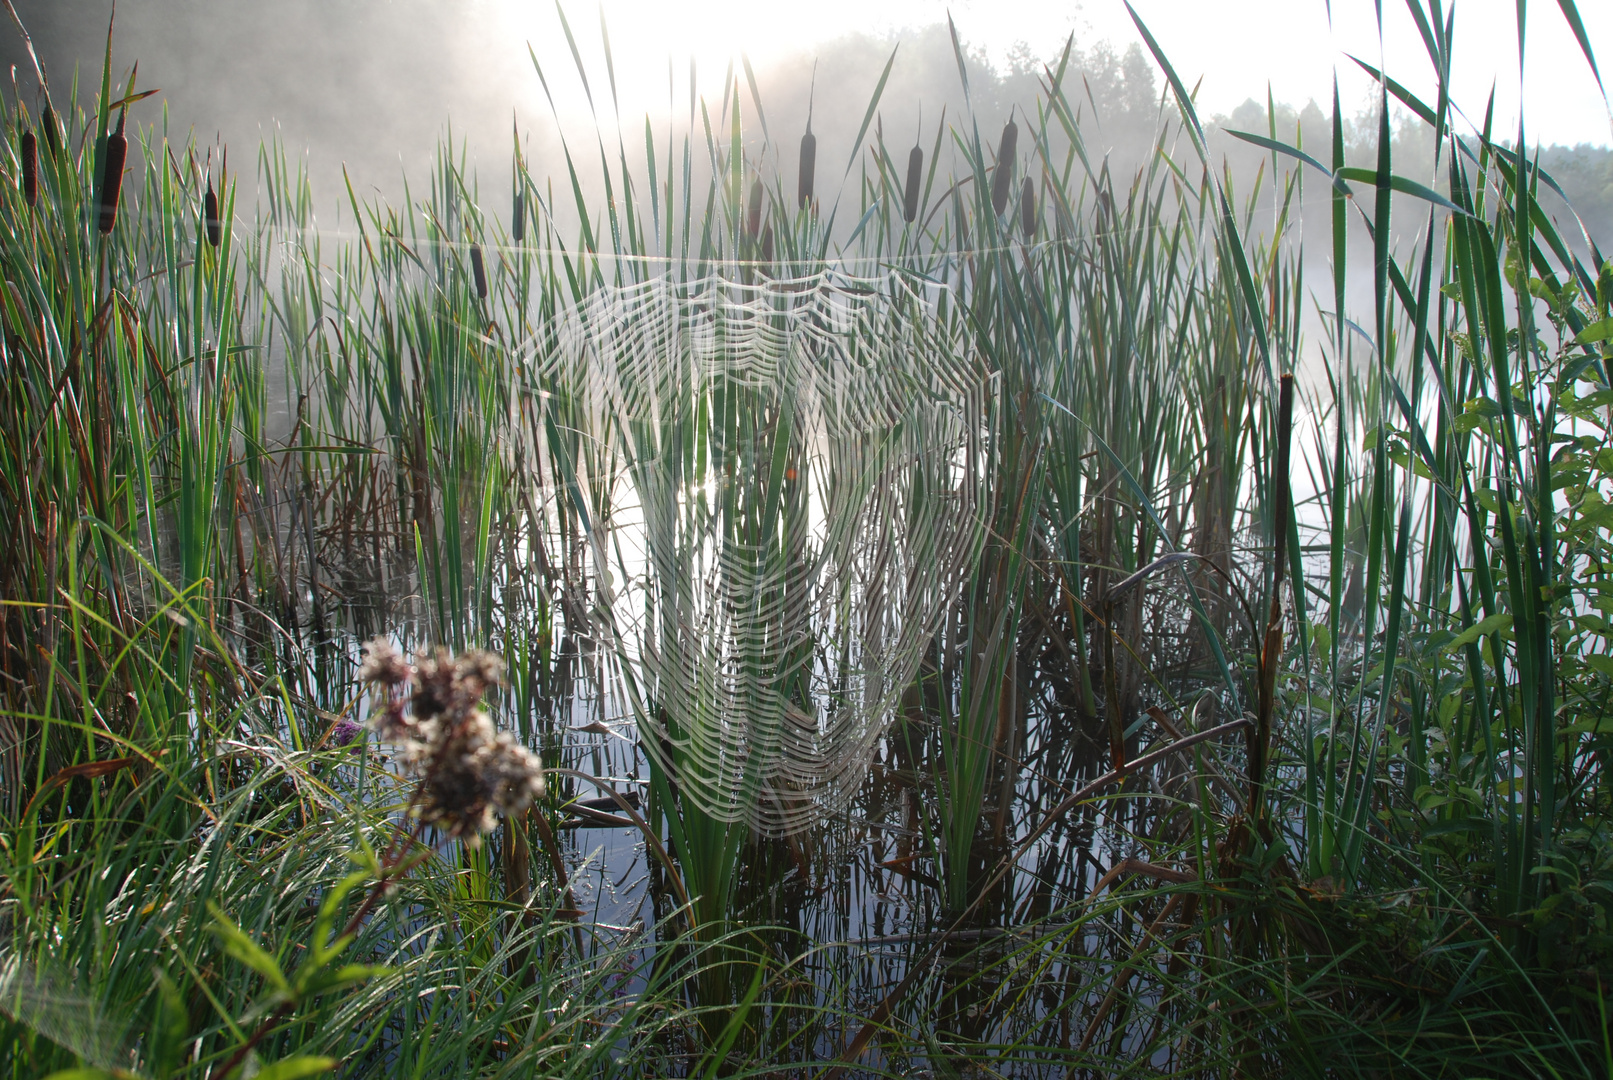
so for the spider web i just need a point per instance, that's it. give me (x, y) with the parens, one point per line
(795, 449)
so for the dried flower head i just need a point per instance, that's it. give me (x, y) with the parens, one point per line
(445, 683)
(473, 773)
(385, 669)
(469, 772)
(384, 663)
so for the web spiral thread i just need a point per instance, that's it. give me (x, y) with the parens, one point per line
(795, 452)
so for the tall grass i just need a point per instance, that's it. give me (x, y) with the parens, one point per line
(1237, 704)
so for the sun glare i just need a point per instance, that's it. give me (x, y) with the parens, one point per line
(1299, 49)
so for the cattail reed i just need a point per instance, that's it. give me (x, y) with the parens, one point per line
(210, 213)
(478, 271)
(910, 195)
(1027, 209)
(518, 207)
(753, 215)
(47, 124)
(117, 150)
(1004, 177)
(809, 164)
(30, 168)
(767, 243)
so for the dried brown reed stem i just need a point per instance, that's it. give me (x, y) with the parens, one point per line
(1272, 648)
(882, 1013)
(1118, 987)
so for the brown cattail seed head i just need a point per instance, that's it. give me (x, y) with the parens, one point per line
(117, 151)
(1004, 176)
(518, 219)
(478, 271)
(809, 165)
(30, 168)
(910, 195)
(753, 215)
(47, 125)
(210, 214)
(1027, 209)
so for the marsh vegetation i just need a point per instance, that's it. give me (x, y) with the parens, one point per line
(965, 626)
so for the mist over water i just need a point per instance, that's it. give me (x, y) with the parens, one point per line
(370, 92)
(373, 88)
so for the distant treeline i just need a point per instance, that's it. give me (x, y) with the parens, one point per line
(372, 86)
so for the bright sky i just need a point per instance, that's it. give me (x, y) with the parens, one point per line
(1235, 45)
